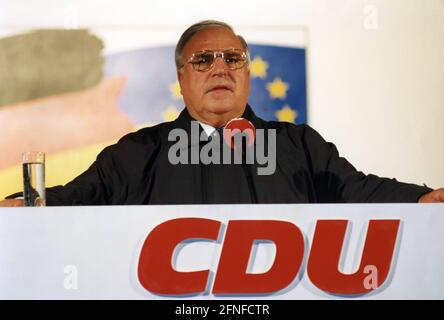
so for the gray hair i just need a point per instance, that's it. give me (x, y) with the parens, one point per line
(195, 28)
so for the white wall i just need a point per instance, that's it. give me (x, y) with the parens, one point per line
(378, 94)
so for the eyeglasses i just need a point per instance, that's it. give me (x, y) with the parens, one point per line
(204, 60)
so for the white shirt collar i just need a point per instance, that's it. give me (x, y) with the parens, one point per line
(208, 129)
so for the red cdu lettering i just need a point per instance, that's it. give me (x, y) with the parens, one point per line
(323, 261)
(231, 276)
(155, 271)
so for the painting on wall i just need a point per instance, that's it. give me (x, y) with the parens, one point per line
(61, 94)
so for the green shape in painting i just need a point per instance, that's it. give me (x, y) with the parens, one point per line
(42, 63)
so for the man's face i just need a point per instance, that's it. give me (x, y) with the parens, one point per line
(219, 94)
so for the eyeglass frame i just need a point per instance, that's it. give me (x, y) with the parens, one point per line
(220, 53)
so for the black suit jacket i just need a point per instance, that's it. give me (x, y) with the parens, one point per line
(136, 170)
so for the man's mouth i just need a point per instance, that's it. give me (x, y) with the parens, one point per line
(219, 88)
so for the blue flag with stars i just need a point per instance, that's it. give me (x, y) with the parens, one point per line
(152, 94)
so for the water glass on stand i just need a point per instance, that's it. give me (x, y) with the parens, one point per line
(34, 179)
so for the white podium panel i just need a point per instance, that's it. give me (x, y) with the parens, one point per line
(353, 251)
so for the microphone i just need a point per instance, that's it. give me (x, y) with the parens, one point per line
(233, 128)
(236, 126)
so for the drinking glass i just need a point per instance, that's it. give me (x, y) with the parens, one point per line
(34, 178)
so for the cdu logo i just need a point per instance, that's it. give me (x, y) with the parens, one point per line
(158, 275)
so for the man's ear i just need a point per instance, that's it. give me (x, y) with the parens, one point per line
(179, 78)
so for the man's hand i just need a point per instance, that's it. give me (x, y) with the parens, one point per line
(433, 196)
(12, 203)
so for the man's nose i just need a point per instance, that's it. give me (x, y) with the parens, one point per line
(219, 66)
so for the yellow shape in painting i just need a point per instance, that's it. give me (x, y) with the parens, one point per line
(61, 168)
(175, 90)
(170, 114)
(258, 67)
(287, 114)
(278, 88)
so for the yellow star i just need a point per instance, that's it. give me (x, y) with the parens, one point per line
(277, 88)
(287, 114)
(258, 67)
(175, 90)
(170, 114)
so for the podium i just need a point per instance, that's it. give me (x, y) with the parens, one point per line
(284, 251)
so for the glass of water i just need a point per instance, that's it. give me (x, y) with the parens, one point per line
(34, 178)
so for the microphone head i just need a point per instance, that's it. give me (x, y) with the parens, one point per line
(239, 126)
